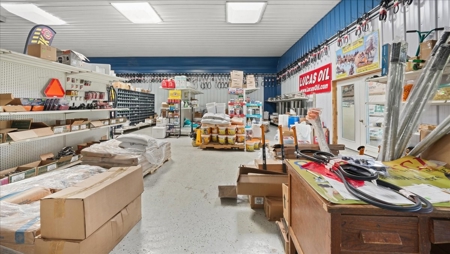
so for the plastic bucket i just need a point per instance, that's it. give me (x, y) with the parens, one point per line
(214, 130)
(231, 130)
(231, 139)
(206, 130)
(214, 137)
(206, 139)
(222, 139)
(256, 146)
(240, 130)
(222, 130)
(250, 146)
(240, 138)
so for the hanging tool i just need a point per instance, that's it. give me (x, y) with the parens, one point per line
(280, 129)
(384, 5)
(263, 139)
(294, 130)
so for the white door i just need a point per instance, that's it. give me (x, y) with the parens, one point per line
(349, 111)
(360, 113)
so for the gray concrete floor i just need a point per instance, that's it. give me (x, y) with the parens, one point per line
(181, 211)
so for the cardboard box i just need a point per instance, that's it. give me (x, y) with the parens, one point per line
(227, 191)
(426, 47)
(77, 212)
(271, 165)
(273, 208)
(250, 81)
(284, 232)
(260, 183)
(42, 51)
(105, 121)
(9, 104)
(21, 248)
(256, 202)
(96, 124)
(103, 240)
(76, 125)
(30, 134)
(71, 57)
(67, 160)
(47, 164)
(439, 151)
(286, 202)
(58, 129)
(24, 172)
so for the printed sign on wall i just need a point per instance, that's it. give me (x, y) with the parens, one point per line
(316, 81)
(360, 56)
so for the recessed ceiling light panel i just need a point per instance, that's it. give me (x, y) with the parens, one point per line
(32, 13)
(245, 12)
(139, 13)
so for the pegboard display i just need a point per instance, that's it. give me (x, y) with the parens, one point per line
(23, 80)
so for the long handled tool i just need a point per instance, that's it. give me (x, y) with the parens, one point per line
(294, 130)
(263, 139)
(280, 128)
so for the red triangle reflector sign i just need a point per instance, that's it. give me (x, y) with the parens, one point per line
(54, 89)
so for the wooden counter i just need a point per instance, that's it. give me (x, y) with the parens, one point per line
(320, 227)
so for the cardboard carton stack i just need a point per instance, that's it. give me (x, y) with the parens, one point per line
(20, 205)
(92, 216)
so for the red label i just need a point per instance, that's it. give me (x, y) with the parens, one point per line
(316, 81)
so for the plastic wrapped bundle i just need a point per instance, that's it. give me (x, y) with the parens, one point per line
(422, 92)
(58, 179)
(313, 117)
(440, 131)
(395, 84)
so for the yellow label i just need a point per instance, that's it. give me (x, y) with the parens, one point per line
(175, 94)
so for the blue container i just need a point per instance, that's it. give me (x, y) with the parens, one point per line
(292, 120)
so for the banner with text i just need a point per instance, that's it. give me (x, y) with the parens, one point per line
(40, 34)
(359, 56)
(316, 81)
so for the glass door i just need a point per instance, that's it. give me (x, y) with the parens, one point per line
(375, 105)
(349, 114)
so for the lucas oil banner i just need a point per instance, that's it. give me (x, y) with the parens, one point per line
(40, 34)
(316, 81)
(359, 56)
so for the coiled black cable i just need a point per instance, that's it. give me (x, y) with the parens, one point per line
(358, 172)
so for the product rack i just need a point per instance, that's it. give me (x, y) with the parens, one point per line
(141, 105)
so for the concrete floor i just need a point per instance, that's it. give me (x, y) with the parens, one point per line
(182, 213)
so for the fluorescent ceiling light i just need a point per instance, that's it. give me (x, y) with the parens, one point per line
(32, 13)
(245, 12)
(140, 13)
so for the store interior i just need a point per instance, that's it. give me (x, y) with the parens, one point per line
(213, 126)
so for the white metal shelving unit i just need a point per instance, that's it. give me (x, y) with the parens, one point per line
(25, 77)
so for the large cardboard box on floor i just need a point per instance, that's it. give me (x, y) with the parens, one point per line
(286, 202)
(260, 183)
(19, 248)
(273, 208)
(77, 212)
(102, 241)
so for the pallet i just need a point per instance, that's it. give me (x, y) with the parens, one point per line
(150, 171)
(218, 146)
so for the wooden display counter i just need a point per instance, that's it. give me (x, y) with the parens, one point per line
(317, 226)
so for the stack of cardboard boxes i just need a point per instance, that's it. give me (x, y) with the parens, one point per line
(237, 80)
(92, 216)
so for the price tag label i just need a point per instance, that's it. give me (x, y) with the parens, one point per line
(51, 167)
(74, 158)
(58, 130)
(75, 128)
(16, 178)
(83, 126)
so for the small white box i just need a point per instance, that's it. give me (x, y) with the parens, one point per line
(159, 132)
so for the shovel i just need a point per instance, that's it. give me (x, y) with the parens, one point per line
(263, 139)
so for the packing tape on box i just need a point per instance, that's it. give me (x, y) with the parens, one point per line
(56, 247)
(59, 210)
